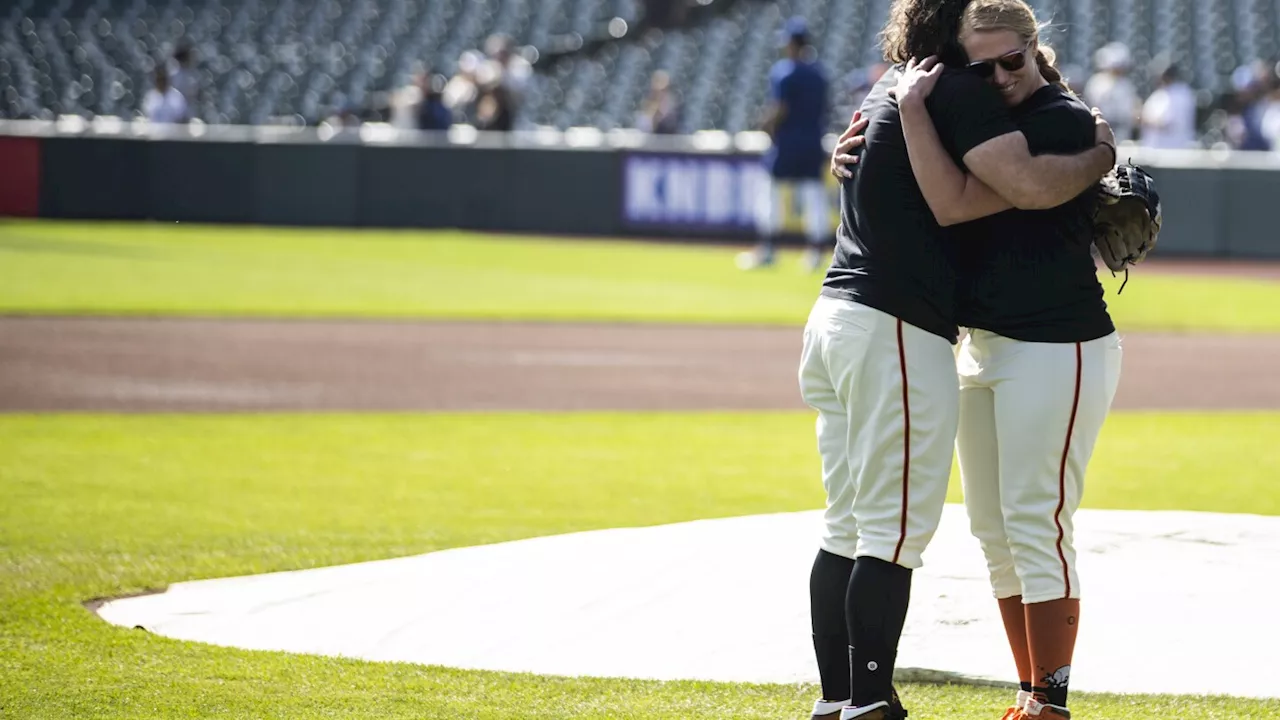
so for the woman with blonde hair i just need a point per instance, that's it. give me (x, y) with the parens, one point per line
(1041, 362)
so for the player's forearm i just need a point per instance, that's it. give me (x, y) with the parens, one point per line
(953, 195)
(1056, 179)
(940, 181)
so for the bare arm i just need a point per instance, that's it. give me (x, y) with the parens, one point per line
(1004, 173)
(1041, 181)
(953, 195)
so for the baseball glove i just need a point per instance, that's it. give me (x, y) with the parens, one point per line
(1127, 222)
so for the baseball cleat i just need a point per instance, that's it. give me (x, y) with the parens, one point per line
(824, 710)
(877, 711)
(1042, 711)
(1015, 712)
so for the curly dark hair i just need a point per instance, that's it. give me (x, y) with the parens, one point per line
(920, 28)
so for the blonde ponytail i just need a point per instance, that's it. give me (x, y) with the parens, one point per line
(1045, 59)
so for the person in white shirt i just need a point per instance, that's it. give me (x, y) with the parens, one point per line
(1111, 91)
(461, 92)
(404, 102)
(514, 71)
(659, 113)
(1169, 115)
(1271, 119)
(163, 103)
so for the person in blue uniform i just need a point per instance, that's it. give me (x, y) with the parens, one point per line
(795, 120)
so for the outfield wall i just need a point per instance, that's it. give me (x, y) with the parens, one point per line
(579, 182)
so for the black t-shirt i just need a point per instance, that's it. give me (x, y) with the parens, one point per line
(889, 248)
(1029, 274)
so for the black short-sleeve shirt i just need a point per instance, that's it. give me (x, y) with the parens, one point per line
(890, 252)
(1030, 274)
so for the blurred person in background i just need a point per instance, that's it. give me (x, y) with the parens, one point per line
(1246, 107)
(345, 121)
(659, 114)
(1271, 104)
(494, 107)
(514, 72)
(403, 102)
(461, 92)
(1111, 91)
(163, 103)
(796, 121)
(1169, 114)
(432, 113)
(182, 74)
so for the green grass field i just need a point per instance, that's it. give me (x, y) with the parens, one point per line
(169, 269)
(99, 505)
(102, 505)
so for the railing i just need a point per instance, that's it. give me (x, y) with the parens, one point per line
(578, 181)
(376, 133)
(385, 134)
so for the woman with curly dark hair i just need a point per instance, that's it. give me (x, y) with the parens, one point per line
(916, 26)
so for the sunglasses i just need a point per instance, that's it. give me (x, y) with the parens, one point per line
(1011, 61)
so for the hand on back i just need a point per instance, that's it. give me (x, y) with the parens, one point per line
(916, 81)
(850, 140)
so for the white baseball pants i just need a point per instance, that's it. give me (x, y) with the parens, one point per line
(1030, 414)
(812, 194)
(887, 403)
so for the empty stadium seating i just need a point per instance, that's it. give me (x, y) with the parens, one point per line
(260, 59)
(263, 61)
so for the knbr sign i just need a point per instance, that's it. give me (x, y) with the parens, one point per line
(690, 191)
(700, 193)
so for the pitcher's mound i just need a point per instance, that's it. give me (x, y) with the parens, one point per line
(1175, 602)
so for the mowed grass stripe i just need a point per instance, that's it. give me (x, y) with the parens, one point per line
(178, 269)
(105, 504)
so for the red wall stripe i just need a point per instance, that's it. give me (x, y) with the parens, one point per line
(19, 176)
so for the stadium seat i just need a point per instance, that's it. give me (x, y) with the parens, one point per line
(300, 60)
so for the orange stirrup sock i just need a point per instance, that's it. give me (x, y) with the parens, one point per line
(1051, 634)
(1015, 627)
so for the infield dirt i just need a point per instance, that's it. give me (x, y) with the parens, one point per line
(192, 365)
